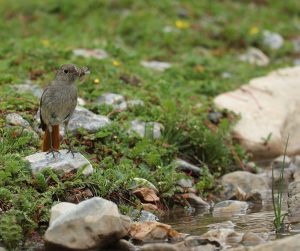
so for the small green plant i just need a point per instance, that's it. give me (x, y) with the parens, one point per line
(278, 198)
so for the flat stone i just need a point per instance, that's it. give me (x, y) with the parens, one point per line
(63, 161)
(16, 120)
(284, 244)
(153, 129)
(117, 101)
(93, 223)
(83, 118)
(90, 53)
(272, 40)
(159, 247)
(29, 87)
(251, 239)
(266, 106)
(156, 65)
(146, 194)
(196, 201)
(187, 167)
(185, 183)
(229, 208)
(255, 56)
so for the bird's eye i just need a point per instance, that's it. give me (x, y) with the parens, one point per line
(66, 71)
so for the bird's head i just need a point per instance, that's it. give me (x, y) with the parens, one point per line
(69, 73)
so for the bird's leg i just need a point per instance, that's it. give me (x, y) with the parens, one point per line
(71, 147)
(52, 150)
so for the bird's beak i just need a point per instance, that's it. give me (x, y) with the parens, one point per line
(83, 71)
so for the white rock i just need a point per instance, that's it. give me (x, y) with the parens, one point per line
(156, 65)
(59, 209)
(81, 101)
(83, 118)
(93, 223)
(145, 128)
(270, 110)
(229, 208)
(135, 102)
(255, 56)
(185, 183)
(62, 161)
(113, 99)
(16, 120)
(90, 53)
(272, 40)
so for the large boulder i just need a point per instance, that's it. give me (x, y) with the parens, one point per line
(269, 107)
(92, 223)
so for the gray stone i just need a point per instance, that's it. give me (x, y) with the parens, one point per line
(81, 101)
(115, 100)
(29, 87)
(135, 102)
(229, 208)
(62, 161)
(198, 243)
(93, 223)
(156, 65)
(294, 202)
(296, 62)
(159, 247)
(277, 163)
(16, 120)
(251, 239)
(284, 244)
(255, 56)
(296, 43)
(90, 53)
(226, 75)
(187, 167)
(147, 216)
(221, 225)
(83, 118)
(59, 209)
(185, 183)
(151, 129)
(121, 245)
(272, 40)
(248, 182)
(196, 201)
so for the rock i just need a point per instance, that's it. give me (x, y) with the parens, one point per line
(296, 62)
(293, 202)
(141, 182)
(147, 216)
(115, 100)
(214, 117)
(62, 161)
(59, 209)
(284, 244)
(149, 207)
(135, 102)
(35, 90)
(226, 75)
(90, 53)
(146, 194)
(156, 65)
(255, 56)
(198, 243)
(266, 107)
(187, 167)
(251, 239)
(83, 118)
(151, 231)
(221, 225)
(2, 249)
(16, 120)
(159, 247)
(94, 223)
(185, 183)
(121, 245)
(223, 236)
(195, 201)
(247, 182)
(229, 208)
(277, 163)
(296, 43)
(150, 129)
(272, 40)
(81, 101)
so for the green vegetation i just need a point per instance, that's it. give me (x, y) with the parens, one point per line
(277, 196)
(205, 40)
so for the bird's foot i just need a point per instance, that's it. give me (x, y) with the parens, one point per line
(52, 150)
(71, 150)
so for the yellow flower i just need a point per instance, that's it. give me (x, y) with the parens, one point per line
(116, 63)
(96, 81)
(180, 24)
(45, 42)
(253, 30)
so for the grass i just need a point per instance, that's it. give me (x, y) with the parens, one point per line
(277, 198)
(207, 37)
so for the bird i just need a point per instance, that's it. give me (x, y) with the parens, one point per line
(57, 105)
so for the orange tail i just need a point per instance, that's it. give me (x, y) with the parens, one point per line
(55, 139)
